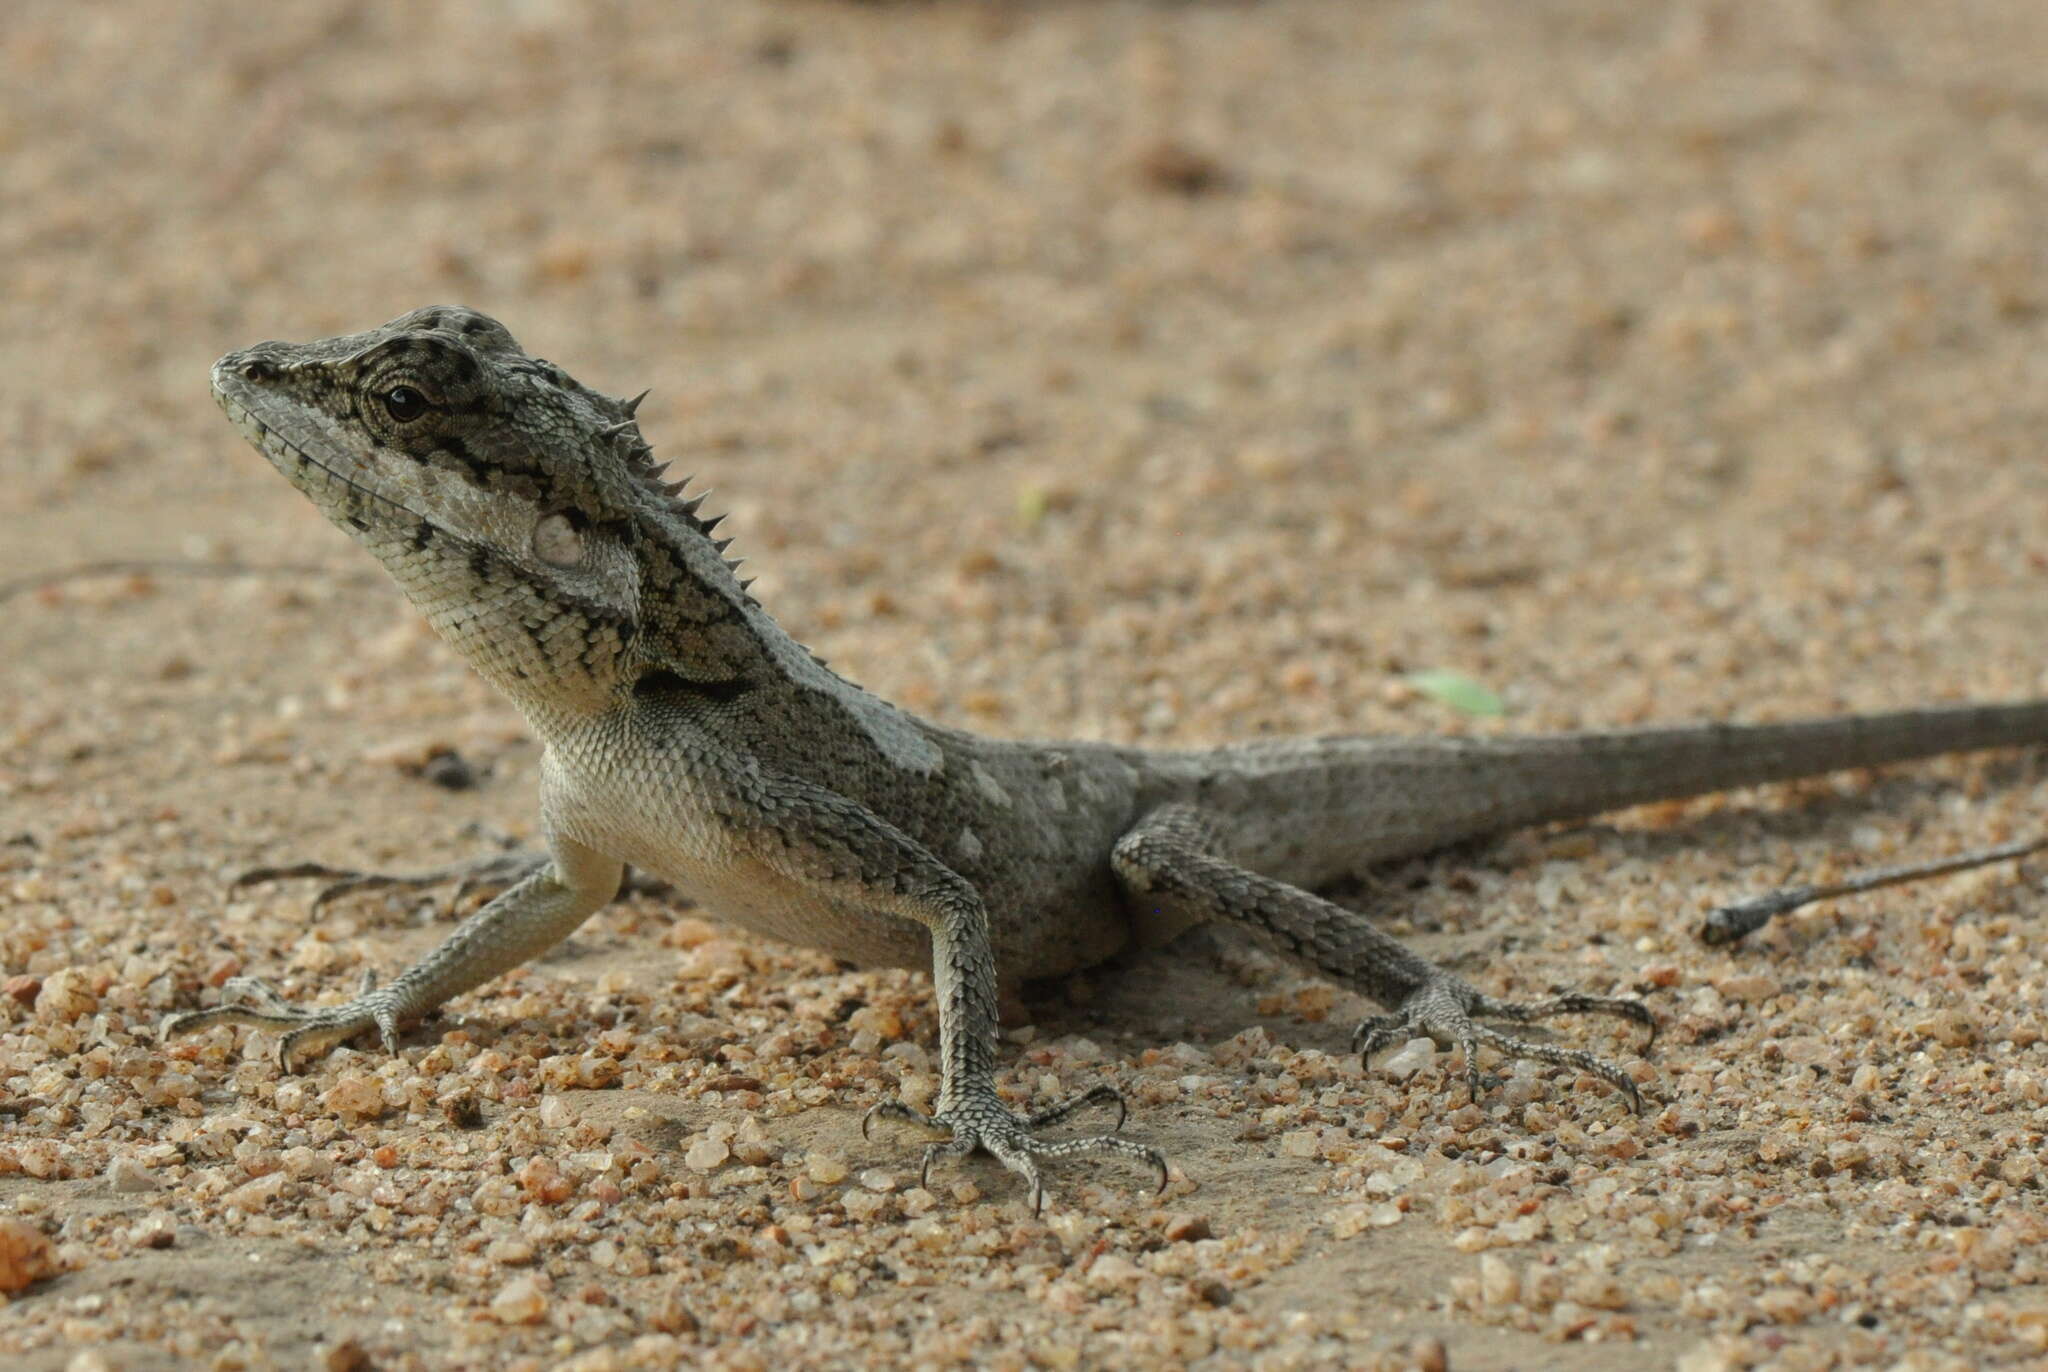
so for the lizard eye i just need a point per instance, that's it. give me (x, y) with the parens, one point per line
(404, 404)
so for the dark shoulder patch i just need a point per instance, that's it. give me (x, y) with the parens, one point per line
(660, 681)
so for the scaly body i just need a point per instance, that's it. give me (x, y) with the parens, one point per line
(687, 734)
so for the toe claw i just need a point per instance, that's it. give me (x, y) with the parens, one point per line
(1448, 1010)
(1073, 1105)
(924, 1173)
(246, 1000)
(1472, 1085)
(1376, 1033)
(896, 1110)
(494, 871)
(981, 1120)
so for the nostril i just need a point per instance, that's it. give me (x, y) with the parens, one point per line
(258, 370)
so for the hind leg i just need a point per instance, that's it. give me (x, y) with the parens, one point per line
(1176, 859)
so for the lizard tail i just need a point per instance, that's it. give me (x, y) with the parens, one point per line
(1572, 776)
(1314, 809)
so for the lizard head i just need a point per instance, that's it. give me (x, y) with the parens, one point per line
(514, 505)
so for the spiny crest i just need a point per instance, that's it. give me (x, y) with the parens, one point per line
(638, 455)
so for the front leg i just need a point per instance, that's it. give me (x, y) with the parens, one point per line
(535, 914)
(1177, 857)
(844, 851)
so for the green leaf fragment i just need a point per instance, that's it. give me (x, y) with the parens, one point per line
(1031, 504)
(1460, 692)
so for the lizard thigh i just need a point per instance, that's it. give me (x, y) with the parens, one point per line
(1175, 869)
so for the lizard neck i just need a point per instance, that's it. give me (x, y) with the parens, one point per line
(687, 631)
(704, 635)
(556, 654)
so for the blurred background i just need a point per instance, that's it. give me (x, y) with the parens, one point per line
(1000, 325)
(1162, 372)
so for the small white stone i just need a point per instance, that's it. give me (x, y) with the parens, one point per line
(706, 1155)
(864, 1205)
(1300, 1143)
(1499, 1283)
(751, 1144)
(257, 1194)
(1349, 1220)
(355, 1096)
(1405, 1061)
(521, 1301)
(302, 1163)
(1113, 1269)
(1713, 1355)
(509, 1252)
(127, 1177)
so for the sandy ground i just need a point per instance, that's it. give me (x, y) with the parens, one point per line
(1156, 372)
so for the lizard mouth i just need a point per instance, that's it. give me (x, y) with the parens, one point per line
(292, 442)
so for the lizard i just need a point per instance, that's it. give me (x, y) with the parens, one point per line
(686, 734)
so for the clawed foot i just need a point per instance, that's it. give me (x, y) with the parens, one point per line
(981, 1120)
(1447, 1010)
(245, 1000)
(489, 874)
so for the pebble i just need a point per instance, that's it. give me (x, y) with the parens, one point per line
(1404, 1062)
(66, 995)
(355, 1097)
(825, 1168)
(154, 1231)
(1113, 1269)
(1499, 1282)
(26, 1255)
(127, 1177)
(509, 1252)
(348, 1356)
(519, 1301)
(257, 1194)
(302, 1163)
(706, 1155)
